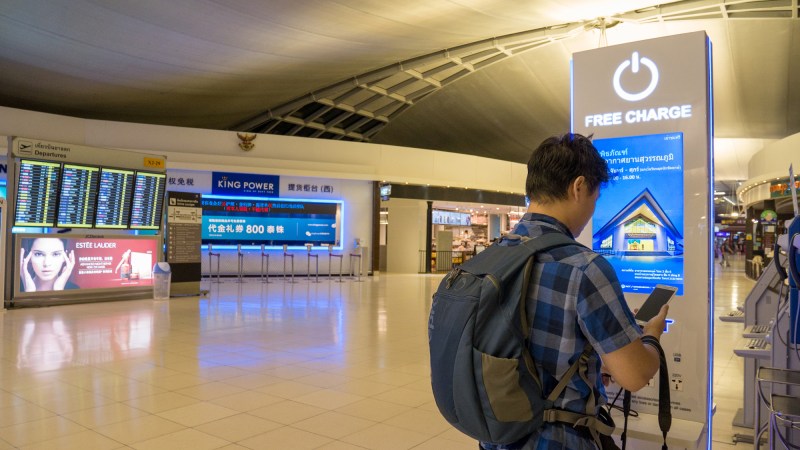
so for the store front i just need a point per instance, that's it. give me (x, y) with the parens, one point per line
(451, 225)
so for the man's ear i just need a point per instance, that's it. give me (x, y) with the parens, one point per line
(575, 188)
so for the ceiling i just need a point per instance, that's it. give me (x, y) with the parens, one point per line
(481, 77)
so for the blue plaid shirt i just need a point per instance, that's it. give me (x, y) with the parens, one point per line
(578, 299)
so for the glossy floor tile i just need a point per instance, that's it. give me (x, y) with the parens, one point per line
(253, 366)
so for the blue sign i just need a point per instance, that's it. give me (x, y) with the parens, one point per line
(248, 184)
(252, 229)
(638, 221)
(254, 221)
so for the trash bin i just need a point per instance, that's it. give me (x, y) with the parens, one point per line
(162, 276)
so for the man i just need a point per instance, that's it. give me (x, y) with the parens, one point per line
(578, 298)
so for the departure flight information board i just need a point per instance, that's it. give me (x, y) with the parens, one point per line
(148, 200)
(78, 196)
(37, 193)
(114, 198)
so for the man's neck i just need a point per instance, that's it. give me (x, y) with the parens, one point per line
(556, 210)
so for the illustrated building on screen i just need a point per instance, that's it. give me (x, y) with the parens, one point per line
(641, 228)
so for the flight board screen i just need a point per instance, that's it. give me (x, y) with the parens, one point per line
(148, 200)
(37, 193)
(114, 198)
(78, 196)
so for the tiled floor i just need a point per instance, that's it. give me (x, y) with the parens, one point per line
(252, 366)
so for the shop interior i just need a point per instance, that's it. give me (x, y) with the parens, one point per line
(461, 230)
(470, 227)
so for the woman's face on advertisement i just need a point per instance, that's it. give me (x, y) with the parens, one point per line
(47, 257)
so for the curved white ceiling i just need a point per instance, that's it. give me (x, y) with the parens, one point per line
(215, 64)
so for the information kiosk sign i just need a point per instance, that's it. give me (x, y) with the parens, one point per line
(648, 106)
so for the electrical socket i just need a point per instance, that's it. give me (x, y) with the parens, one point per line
(676, 383)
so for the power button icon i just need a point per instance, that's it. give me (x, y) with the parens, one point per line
(634, 64)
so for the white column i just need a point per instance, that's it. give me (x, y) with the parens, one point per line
(405, 235)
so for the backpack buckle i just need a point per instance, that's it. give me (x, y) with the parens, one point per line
(452, 276)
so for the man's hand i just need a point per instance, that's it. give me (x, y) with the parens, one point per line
(655, 326)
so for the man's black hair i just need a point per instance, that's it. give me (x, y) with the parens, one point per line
(558, 161)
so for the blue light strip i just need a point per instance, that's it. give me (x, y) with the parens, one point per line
(274, 199)
(710, 381)
(340, 239)
(571, 96)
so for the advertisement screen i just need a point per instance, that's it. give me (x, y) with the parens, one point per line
(638, 221)
(52, 262)
(269, 221)
(441, 217)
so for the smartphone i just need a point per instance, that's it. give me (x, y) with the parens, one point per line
(660, 296)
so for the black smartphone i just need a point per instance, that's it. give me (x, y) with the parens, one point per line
(660, 296)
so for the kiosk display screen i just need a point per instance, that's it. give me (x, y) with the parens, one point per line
(37, 193)
(78, 196)
(148, 200)
(638, 221)
(114, 198)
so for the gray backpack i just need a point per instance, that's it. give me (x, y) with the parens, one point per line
(482, 373)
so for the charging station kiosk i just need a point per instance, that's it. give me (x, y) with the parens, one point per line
(648, 105)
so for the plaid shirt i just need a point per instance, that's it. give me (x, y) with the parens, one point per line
(578, 299)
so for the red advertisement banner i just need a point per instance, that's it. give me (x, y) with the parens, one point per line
(52, 262)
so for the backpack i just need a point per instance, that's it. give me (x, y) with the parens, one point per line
(482, 373)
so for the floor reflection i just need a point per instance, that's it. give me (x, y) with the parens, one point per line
(258, 365)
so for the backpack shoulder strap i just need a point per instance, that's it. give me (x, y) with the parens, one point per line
(549, 241)
(505, 261)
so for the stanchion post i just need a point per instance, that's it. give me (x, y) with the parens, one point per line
(240, 264)
(330, 264)
(352, 270)
(264, 275)
(286, 254)
(210, 272)
(308, 262)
